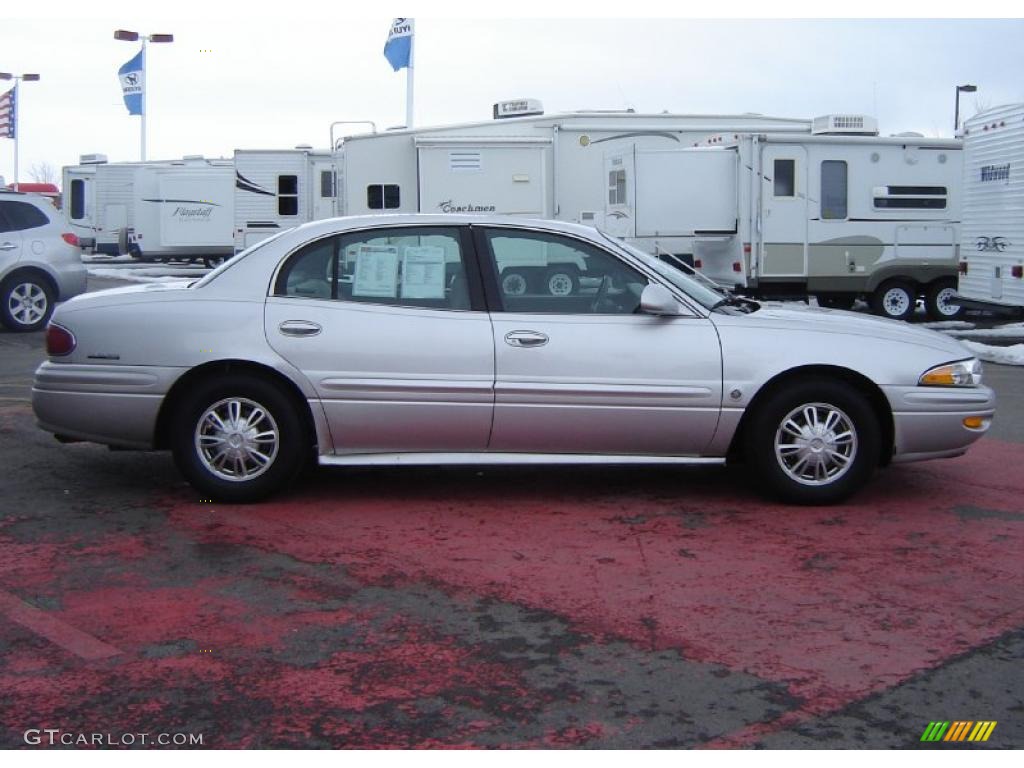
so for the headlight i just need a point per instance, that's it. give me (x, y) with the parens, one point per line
(965, 373)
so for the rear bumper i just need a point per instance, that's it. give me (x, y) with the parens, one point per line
(929, 422)
(71, 280)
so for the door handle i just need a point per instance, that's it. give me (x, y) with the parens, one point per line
(299, 328)
(8, 247)
(526, 339)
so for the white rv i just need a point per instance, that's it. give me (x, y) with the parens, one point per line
(278, 189)
(992, 236)
(839, 214)
(180, 209)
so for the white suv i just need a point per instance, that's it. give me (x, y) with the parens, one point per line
(40, 260)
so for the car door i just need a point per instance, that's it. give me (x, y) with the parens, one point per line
(580, 370)
(10, 239)
(389, 326)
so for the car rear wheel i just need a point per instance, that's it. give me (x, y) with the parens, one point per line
(238, 438)
(26, 302)
(895, 299)
(940, 301)
(815, 442)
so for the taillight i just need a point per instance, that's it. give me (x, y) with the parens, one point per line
(698, 264)
(963, 267)
(737, 267)
(70, 238)
(1017, 271)
(59, 340)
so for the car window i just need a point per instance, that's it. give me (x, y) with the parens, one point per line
(402, 266)
(16, 215)
(547, 273)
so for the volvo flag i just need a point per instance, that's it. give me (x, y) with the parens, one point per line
(398, 48)
(7, 107)
(132, 74)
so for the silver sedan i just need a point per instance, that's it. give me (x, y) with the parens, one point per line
(490, 340)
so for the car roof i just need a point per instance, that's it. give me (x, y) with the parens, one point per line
(349, 223)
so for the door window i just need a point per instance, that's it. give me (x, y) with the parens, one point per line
(785, 177)
(833, 189)
(544, 273)
(403, 267)
(77, 199)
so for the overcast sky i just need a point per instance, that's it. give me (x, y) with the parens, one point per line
(265, 80)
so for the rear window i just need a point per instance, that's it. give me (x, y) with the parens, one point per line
(16, 216)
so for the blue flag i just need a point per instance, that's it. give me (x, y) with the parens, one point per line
(398, 48)
(132, 74)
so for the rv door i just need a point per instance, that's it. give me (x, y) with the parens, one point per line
(620, 176)
(783, 241)
(325, 190)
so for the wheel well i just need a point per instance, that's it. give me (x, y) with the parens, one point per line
(35, 271)
(876, 399)
(161, 438)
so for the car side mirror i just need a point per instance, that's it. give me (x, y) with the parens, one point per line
(656, 300)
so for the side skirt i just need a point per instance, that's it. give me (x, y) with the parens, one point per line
(426, 459)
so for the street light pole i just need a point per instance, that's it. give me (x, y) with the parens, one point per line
(956, 114)
(124, 34)
(17, 112)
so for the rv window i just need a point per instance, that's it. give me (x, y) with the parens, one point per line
(785, 178)
(78, 199)
(617, 187)
(833, 189)
(931, 198)
(326, 183)
(380, 196)
(288, 195)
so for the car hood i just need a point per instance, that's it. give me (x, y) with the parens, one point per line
(841, 323)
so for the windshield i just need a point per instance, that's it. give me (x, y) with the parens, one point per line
(210, 276)
(706, 296)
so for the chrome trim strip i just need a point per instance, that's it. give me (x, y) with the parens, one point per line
(424, 459)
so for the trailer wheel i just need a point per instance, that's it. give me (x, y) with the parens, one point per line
(895, 299)
(562, 281)
(940, 300)
(514, 282)
(214, 261)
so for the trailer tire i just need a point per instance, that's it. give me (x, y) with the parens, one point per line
(895, 299)
(562, 281)
(515, 282)
(938, 300)
(213, 262)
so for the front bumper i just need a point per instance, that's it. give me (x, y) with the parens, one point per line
(929, 421)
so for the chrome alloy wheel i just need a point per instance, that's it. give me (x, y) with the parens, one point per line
(944, 303)
(27, 303)
(816, 444)
(897, 302)
(237, 439)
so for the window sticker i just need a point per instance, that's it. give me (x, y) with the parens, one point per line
(376, 271)
(423, 272)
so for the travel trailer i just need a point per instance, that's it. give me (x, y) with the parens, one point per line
(992, 235)
(278, 189)
(839, 214)
(173, 209)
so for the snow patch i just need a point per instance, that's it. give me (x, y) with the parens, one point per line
(1002, 355)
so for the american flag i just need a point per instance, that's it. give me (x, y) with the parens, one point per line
(7, 107)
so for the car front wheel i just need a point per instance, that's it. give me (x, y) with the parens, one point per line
(816, 442)
(238, 439)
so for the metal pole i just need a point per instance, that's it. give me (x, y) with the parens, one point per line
(409, 79)
(17, 133)
(145, 89)
(956, 114)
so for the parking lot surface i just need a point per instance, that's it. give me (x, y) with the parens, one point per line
(518, 607)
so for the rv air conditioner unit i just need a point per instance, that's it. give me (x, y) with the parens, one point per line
(846, 125)
(93, 159)
(517, 108)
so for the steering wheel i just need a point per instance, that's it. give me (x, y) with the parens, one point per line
(601, 294)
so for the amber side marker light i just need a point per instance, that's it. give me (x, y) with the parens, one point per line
(975, 422)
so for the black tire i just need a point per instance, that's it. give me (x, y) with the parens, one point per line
(937, 300)
(212, 262)
(293, 438)
(562, 281)
(788, 402)
(26, 302)
(515, 282)
(895, 299)
(837, 300)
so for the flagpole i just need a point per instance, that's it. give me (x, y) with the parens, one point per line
(145, 90)
(17, 133)
(409, 80)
